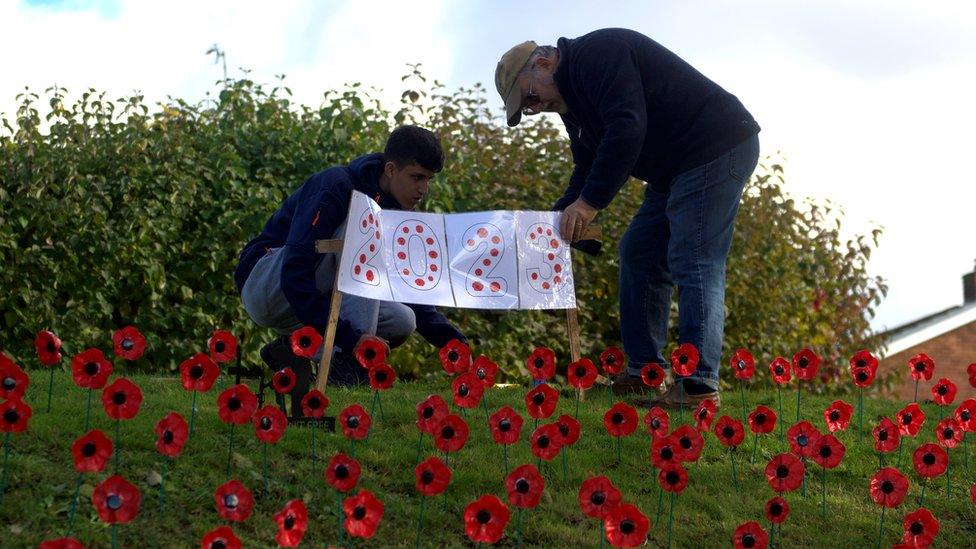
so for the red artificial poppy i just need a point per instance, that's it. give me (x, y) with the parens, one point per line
(506, 425)
(541, 364)
(684, 359)
(666, 452)
(381, 377)
(455, 357)
(863, 377)
(598, 496)
(805, 364)
(652, 375)
(930, 460)
(61, 543)
(524, 486)
(223, 346)
(784, 473)
(541, 401)
(921, 367)
(971, 371)
(864, 359)
(292, 522)
(545, 441)
(370, 353)
(802, 436)
(122, 399)
(468, 390)
(743, 365)
(90, 369)
(910, 419)
(690, 443)
(828, 452)
(14, 415)
(780, 370)
(269, 424)
(762, 420)
(485, 519)
(485, 370)
(673, 478)
(198, 373)
(171, 434)
(838, 415)
(91, 452)
(355, 422)
(612, 361)
(305, 342)
(432, 476)
(581, 374)
(777, 509)
(314, 404)
(236, 404)
(948, 432)
(568, 429)
(451, 434)
(888, 487)
(657, 421)
(920, 528)
(430, 412)
(116, 500)
(944, 392)
(221, 537)
(729, 431)
(887, 437)
(750, 535)
(234, 501)
(620, 420)
(704, 414)
(363, 514)
(966, 415)
(342, 472)
(48, 348)
(129, 343)
(283, 381)
(626, 526)
(13, 380)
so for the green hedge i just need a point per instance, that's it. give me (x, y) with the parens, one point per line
(115, 213)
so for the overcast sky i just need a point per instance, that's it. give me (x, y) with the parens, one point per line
(870, 102)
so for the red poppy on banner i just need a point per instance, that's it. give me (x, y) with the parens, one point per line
(355, 422)
(269, 424)
(283, 381)
(122, 399)
(657, 421)
(370, 353)
(430, 412)
(198, 373)
(779, 368)
(485, 519)
(581, 374)
(468, 390)
(762, 420)
(234, 501)
(221, 537)
(48, 348)
(626, 526)
(342, 472)
(485, 370)
(236, 404)
(684, 359)
(524, 485)
(598, 496)
(223, 346)
(785, 473)
(541, 364)
(540, 402)
(90, 369)
(838, 416)
(921, 367)
(743, 364)
(612, 361)
(363, 514)
(292, 522)
(129, 343)
(116, 500)
(314, 404)
(455, 357)
(506, 425)
(305, 342)
(91, 452)
(432, 476)
(171, 435)
(888, 487)
(451, 434)
(805, 364)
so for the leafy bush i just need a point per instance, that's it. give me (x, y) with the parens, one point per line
(114, 213)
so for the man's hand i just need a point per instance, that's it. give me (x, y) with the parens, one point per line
(574, 220)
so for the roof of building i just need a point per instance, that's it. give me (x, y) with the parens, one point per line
(919, 331)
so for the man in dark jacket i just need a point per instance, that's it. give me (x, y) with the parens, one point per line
(284, 284)
(633, 108)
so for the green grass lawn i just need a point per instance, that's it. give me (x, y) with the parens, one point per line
(41, 477)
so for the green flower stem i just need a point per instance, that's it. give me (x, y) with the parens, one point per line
(74, 505)
(6, 453)
(420, 440)
(420, 520)
(735, 476)
(881, 527)
(118, 446)
(50, 385)
(193, 413)
(162, 485)
(799, 385)
(230, 447)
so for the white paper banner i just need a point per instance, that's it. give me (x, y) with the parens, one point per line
(545, 269)
(363, 267)
(483, 259)
(417, 258)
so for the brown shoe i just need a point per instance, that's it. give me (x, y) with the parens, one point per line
(626, 384)
(675, 397)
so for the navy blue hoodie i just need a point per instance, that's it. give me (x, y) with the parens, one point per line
(636, 108)
(314, 212)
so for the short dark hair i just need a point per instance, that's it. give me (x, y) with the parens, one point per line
(414, 145)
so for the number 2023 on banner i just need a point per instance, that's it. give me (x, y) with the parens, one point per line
(545, 270)
(482, 259)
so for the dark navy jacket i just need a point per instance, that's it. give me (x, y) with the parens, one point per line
(637, 109)
(314, 212)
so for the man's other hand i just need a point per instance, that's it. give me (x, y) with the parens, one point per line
(574, 220)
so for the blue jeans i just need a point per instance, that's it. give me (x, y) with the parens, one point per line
(682, 239)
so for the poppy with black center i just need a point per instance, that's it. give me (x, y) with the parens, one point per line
(305, 342)
(620, 420)
(540, 402)
(749, 535)
(673, 478)
(122, 399)
(944, 392)
(223, 346)
(541, 364)
(581, 374)
(597, 496)
(545, 442)
(920, 528)
(355, 422)
(342, 472)
(684, 359)
(220, 538)
(455, 357)
(48, 347)
(430, 412)
(270, 424)
(948, 432)
(626, 526)
(612, 361)
(524, 486)
(91, 451)
(784, 472)
(451, 434)
(467, 390)
(505, 425)
(657, 421)
(292, 522)
(485, 519)
(116, 500)
(888, 487)
(910, 419)
(171, 434)
(90, 369)
(921, 367)
(568, 429)
(363, 513)
(432, 476)
(129, 343)
(314, 404)
(743, 364)
(777, 509)
(779, 368)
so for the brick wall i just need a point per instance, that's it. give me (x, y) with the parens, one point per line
(952, 352)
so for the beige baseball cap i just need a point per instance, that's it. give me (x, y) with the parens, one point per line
(506, 73)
